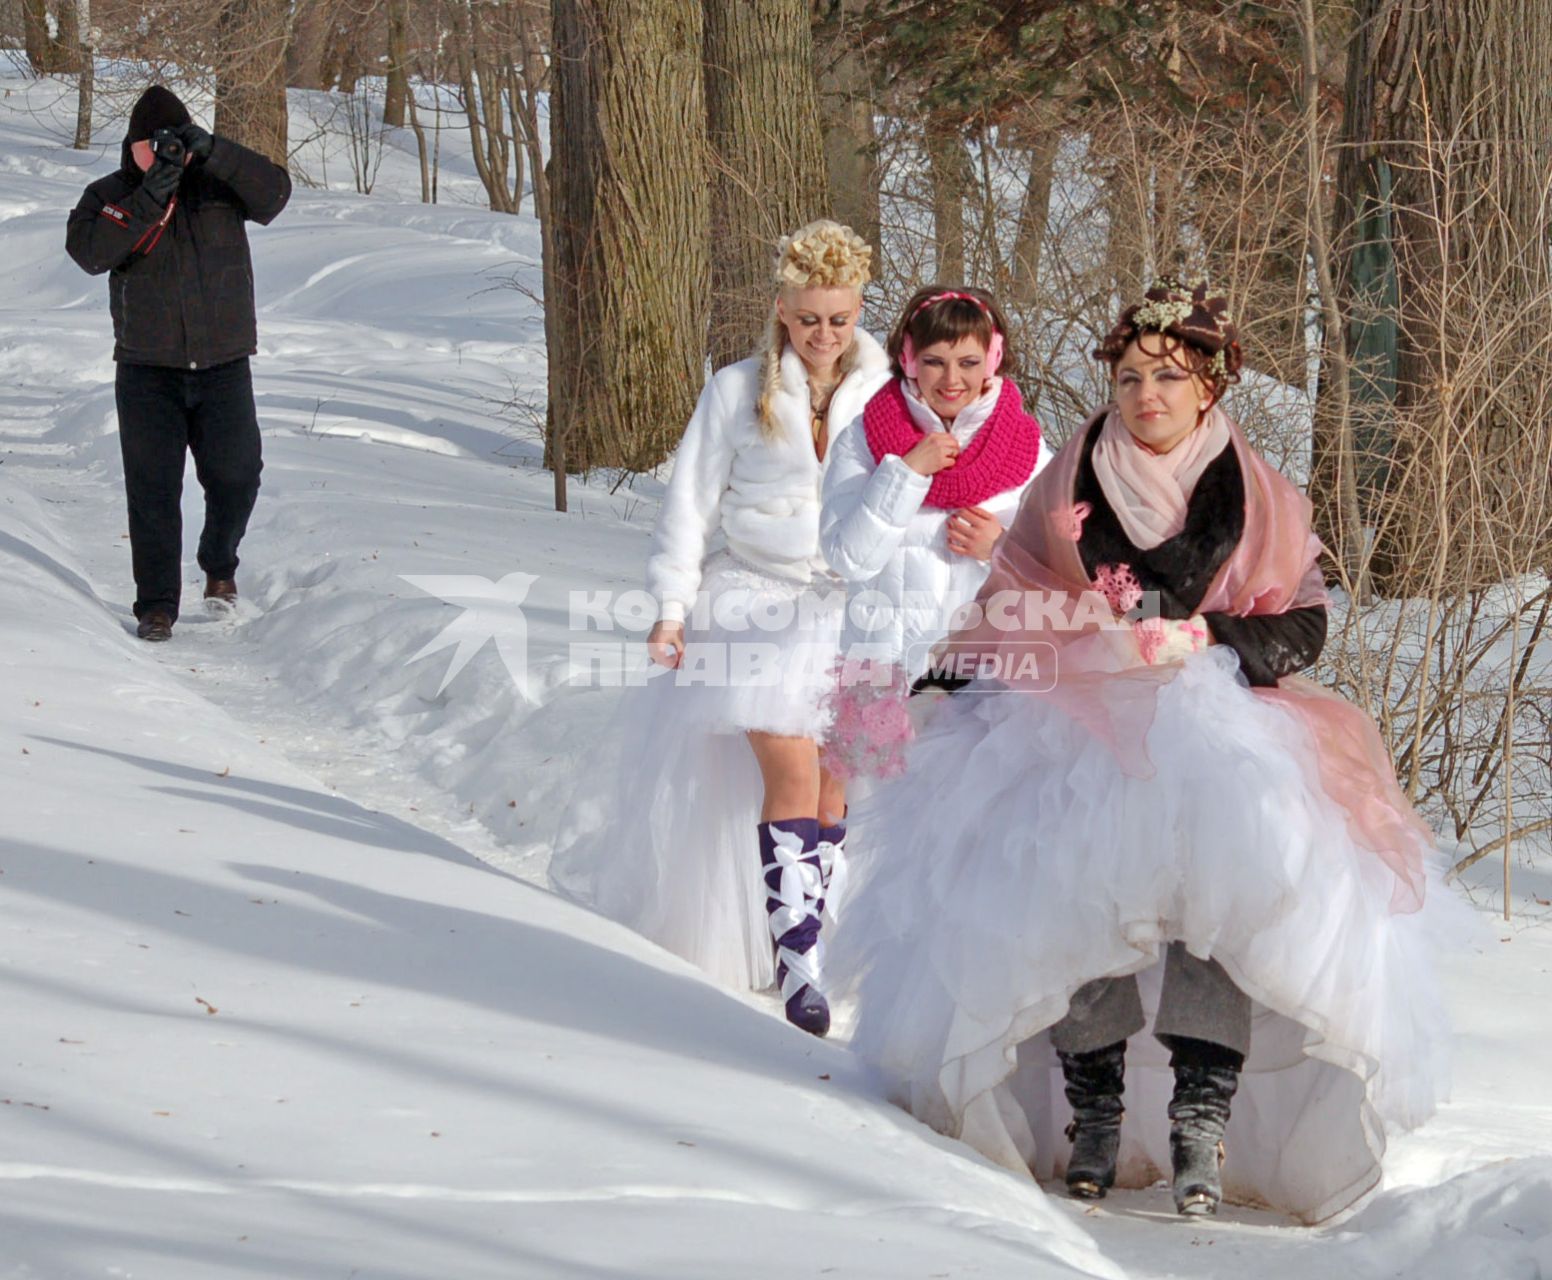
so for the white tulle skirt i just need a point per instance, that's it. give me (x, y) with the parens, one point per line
(667, 844)
(1014, 862)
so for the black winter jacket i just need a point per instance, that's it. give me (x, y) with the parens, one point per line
(181, 288)
(1181, 568)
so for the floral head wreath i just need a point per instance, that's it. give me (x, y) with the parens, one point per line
(1187, 313)
(823, 255)
(994, 349)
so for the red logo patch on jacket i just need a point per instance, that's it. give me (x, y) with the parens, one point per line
(118, 215)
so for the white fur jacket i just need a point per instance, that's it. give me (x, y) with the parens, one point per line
(762, 493)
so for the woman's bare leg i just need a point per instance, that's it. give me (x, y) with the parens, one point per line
(789, 768)
(832, 796)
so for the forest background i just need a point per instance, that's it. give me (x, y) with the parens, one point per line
(1369, 181)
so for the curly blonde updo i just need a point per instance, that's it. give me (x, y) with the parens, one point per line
(821, 255)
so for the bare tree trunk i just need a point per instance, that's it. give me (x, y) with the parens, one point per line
(767, 155)
(1034, 213)
(436, 148)
(397, 87)
(345, 57)
(35, 35)
(86, 84)
(846, 113)
(310, 21)
(484, 82)
(464, 59)
(1447, 104)
(420, 149)
(67, 44)
(1166, 177)
(1127, 200)
(1166, 238)
(626, 356)
(949, 168)
(1333, 483)
(527, 83)
(515, 130)
(250, 76)
(532, 81)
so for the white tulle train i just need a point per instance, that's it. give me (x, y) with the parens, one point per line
(1014, 862)
(661, 836)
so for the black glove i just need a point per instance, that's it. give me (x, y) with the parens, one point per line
(197, 141)
(162, 179)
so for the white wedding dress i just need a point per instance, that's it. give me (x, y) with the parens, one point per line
(1014, 862)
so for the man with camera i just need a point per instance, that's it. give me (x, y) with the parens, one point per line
(168, 228)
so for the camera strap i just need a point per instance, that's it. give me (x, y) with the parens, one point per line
(157, 227)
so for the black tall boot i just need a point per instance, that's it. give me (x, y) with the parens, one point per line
(1206, 1078)
(1094, 1083)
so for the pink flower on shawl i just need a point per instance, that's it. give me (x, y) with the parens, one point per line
(1119, 585)
(1069, 521)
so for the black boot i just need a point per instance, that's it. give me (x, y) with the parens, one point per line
(1094, 1083)
(1206, 1078)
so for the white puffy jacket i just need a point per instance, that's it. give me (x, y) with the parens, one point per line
(762, 493)
(903, 582)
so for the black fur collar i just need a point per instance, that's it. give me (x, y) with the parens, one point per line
(1181, 568)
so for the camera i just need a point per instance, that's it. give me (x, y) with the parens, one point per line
(168, 146)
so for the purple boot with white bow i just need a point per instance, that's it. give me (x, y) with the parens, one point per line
(832, 868)
(794, 883)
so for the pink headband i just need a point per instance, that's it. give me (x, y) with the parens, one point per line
(993, 349)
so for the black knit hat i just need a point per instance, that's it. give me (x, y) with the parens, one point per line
(158, 108)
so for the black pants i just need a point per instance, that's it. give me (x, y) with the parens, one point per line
(162, 413)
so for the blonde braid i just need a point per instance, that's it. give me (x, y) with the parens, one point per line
(771, 347)
(821, 255)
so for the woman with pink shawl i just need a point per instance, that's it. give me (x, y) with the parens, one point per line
(1135, 815)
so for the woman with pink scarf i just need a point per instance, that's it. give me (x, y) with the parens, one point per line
(1135, 815)
(915, 497)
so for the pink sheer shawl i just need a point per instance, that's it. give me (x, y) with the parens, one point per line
(1040, 625)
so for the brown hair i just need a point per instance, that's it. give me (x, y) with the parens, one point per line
(927, 321)
(1198, 332)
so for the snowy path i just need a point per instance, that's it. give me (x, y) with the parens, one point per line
(258, 1028)
(283, 999)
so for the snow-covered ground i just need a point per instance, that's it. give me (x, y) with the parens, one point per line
(284, 994)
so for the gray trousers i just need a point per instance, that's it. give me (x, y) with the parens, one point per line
(1199, 1000)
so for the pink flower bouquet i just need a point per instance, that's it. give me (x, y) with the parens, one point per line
(871, 727)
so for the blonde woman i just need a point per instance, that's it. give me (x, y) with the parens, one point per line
(727, 825)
